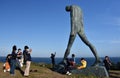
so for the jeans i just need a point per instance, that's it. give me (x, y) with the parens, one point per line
(12, 66)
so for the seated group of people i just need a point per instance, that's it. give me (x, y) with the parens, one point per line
(72, 65)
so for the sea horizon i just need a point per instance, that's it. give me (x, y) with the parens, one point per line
(47, 60)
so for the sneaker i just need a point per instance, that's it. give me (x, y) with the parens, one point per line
(26, 75)
(8, 70)
(67, 72)
(4, 70)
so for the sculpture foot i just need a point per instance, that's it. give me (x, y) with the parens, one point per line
(64, 62)
(97, 62)
(61, 67)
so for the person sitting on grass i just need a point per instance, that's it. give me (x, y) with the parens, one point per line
(6, 66)
(68, 67)
(84, 64)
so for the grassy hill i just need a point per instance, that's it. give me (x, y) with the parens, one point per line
(44, 71)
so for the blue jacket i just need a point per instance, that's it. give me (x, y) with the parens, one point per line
(27, 55)
(13, 56)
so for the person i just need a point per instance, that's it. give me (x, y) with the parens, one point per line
(6, 65)
(83, 62)
(73, 58)
(78, 28)
(72, 63)
(20, 59)
(107, 63)
(8, 58)
(13, 60)
(68, 66)
(27, 55)
(53, 59)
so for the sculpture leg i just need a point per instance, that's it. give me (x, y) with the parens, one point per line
(70, 43)
(92, 48)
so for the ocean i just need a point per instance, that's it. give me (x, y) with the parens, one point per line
(90, 60)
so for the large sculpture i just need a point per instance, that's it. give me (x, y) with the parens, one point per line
(78, 28)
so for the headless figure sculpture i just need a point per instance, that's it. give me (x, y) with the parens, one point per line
(77, 28)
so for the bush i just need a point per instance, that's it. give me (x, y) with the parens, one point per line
(115, 66)
(118, 65)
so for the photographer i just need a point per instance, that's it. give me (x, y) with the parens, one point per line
(27, 60)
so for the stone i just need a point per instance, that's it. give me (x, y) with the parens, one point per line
(60, 68)
(98, 71)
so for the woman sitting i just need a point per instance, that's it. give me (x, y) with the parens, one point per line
(84, 64)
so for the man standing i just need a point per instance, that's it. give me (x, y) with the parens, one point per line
(13, 60)
(107, 63)
(53, 59)
(27, 56)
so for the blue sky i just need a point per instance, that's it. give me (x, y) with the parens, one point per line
(44, 26)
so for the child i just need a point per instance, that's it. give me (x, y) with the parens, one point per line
(6, 66)
(20, 59)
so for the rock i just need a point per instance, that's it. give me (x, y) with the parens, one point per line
(98, 71)
(60, 68)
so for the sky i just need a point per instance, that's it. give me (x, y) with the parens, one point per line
(44, 26)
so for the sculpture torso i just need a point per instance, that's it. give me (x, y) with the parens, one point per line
(76, 18)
